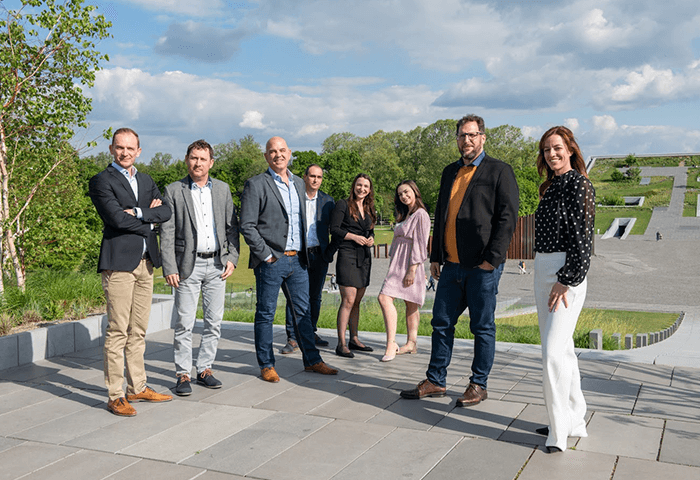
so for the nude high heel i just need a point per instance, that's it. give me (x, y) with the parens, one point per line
(407, 349)
(390, 357)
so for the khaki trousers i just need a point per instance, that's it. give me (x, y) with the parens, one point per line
(128, 296)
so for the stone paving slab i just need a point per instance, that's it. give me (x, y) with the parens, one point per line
(634, 469)
(681, 443)
(626, 435)
(574, 464)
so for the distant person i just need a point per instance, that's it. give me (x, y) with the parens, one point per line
(200, 251)
(475, 216)
(406, 276)
(334, 284)
(521, 268)
(319, 206)
(129, 204)
(659, 236)
(273, 222)
(352, 228)
(563, 238)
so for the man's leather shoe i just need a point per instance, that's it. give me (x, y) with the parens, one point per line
(321, 368)
(424, 389)
(121, 407)
(473, 395)
(269, 375)
(183, 387)
(290, 347)
(319, 341)
(149, 395)
(206, 379)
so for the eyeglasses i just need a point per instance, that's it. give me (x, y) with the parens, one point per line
(471, 136)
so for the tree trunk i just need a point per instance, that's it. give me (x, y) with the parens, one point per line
(6, 228)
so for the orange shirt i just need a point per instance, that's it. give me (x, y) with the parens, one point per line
(459, 188)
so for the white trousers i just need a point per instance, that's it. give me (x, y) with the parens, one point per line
(561, 380)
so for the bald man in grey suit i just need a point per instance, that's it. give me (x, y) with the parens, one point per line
(200, 249)
(273, 223)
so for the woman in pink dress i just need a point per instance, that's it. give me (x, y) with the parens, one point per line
(406, 277)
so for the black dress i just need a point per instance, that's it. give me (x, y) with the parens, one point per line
(354, 261)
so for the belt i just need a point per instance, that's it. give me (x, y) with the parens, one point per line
(315, 250)
(291, 253)
(207, 254)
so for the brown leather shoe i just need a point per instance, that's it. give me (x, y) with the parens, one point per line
(269, 375)
(322, 368)
(424, 389)
(121, 407)
(149, 395)
(473, 395)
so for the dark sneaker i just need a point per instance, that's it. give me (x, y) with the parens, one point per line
(183, 387)
(290, 347)
(206, 379)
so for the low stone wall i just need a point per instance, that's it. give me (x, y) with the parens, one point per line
(54, 340)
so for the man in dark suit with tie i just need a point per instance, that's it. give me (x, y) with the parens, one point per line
(200, 251)
(319, 206)
(273, 223)
(129, 203)
(475, 216)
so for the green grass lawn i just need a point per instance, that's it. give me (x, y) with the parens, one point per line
(691, 202)
(604, 217)
(515, 329)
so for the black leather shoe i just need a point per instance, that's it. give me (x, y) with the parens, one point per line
(340, 351)
(319, 341)
(553, 449)
(543, 431)
(364, 348)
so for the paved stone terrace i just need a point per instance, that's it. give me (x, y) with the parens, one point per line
(670, 220)
(644, 420)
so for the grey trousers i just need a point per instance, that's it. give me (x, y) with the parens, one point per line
(205, 278)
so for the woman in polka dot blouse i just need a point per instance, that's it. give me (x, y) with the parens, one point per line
(563, 240)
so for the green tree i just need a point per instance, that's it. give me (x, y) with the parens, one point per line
(47, 56)
(235, 162)
(341, 167)
(302, 160)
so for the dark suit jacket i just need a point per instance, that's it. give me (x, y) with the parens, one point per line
(264, 220)
(324, 208)
(486, 218)
(178, 236)
(123, 234)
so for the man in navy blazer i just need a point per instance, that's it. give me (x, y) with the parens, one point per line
(319, 206)
(476, 214)
(273, 223)
(129, 203)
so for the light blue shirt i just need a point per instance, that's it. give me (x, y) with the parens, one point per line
(290, 197)
(134, 188)
(476, 162)
(311, 209)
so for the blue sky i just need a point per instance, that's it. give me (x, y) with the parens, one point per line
(623, 74)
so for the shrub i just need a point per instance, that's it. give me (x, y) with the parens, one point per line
(617, 176)
(633, 174)
(612, 199)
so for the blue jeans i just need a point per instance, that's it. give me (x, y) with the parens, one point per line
(458, 289)
(269, 278)
(317, 277)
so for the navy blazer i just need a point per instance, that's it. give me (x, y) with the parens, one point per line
(264, 220)
(123, 234)
(487, 215)
(324, 208)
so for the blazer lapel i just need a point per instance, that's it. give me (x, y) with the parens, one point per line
(121, 180)
(189, 204)
(275, 190)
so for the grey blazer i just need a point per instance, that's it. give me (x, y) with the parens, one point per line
(178, 236)
(264, 220)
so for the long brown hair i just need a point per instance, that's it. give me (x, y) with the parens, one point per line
(367, 203)
(577, 162)
(402, 210)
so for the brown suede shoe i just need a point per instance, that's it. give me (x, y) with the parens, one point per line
(473, 395)
(322, 368)
(121, 407)
(424, 389)
(270, 375)
(149, 395)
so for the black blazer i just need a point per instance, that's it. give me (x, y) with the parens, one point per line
(486, 218)
(324, 208)
(343, 223)
(123, 234)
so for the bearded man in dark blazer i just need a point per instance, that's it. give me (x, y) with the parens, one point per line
(476, 214)
(129, 204)
(273, 223)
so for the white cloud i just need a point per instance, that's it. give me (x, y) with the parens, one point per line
(312, 129)
(572, 124)
(252, 119)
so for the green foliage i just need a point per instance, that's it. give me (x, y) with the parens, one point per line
(340, 167)
(235, 162)
(611, 200)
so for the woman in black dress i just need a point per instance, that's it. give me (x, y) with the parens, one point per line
(352, 231)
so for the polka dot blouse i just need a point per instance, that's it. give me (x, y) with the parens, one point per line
(564, 223)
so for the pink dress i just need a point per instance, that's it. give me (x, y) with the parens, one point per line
(410, 246)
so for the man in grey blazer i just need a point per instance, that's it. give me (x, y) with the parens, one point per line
(273, 223)
(200, 249)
